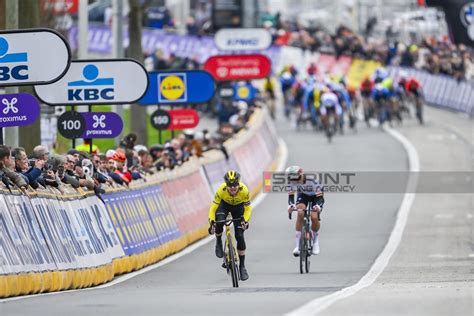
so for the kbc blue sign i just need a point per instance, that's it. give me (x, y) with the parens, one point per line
(91, 88)
(13, 64)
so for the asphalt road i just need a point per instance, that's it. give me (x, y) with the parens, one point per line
(355, 228)
(431, 273)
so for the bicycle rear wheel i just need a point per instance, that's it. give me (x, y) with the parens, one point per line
(234, 272)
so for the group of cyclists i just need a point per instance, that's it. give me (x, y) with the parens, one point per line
(232, 197)
(328, 102)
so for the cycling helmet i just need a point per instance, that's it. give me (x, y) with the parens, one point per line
(294, 172)
(232, 178)
(119, 156)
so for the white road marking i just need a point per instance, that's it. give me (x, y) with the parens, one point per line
(469, 216)
(471, 255)
(439, 256)
(319, 304)
(256, 201)
(443, 216)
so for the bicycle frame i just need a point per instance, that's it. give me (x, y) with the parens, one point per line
(231, 259)
(306, 240)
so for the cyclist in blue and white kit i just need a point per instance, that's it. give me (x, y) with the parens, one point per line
(329, 105)
(306, 190)
(381, 98)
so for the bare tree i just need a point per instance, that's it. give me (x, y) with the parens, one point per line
(3, 16)
(138, 117)
(28, 17)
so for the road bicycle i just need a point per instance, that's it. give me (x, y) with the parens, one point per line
(306, 240)
(231, 259)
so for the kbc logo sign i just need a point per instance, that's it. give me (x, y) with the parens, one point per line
(12, 65)
(92, 87)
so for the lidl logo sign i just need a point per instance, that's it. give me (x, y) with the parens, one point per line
(172, 88)
(92, 87)
(243, 92)
(12, 64)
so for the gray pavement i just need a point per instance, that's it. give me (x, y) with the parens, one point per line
(354, 230)
(431, 273)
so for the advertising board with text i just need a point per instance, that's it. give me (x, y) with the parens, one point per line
(102, 125)
(32, 56)
(94, 82)
(18, 109)
(179, 87)
(238, 67)
(243, 39)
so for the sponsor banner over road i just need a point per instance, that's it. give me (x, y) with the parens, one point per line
(33, 56)
(179, 87)
(243, 39)
(102, 125)
(93, 82)
(18, 109)
(238, 67)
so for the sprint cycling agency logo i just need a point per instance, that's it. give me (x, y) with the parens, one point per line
(467, 18)
(172, 88)
(13, 65)
(91, 88)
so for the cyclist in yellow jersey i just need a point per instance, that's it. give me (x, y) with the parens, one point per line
(231, 196)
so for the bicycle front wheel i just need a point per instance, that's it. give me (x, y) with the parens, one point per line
(303, 253)
(234, 272)
(308, 250)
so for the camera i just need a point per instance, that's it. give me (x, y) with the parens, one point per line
(32, 162)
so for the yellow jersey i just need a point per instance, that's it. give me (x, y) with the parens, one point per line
(241, 197)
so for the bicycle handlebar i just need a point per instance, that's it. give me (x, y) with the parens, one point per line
(229, 221)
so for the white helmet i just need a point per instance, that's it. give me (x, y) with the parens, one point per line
(294, 172)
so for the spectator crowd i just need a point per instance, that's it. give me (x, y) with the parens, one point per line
(96, 171)
(437, 56)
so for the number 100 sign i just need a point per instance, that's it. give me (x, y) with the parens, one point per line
(71, 124)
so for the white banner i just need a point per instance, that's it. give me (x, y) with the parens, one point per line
(243, 39)
(34, 56)
(114, 81)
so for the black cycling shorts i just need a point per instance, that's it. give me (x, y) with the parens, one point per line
(366, 94)
(237, 211)
(305, 199)
(415, 92)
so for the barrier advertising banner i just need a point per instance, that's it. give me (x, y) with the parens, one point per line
(360, 70)
(73, 239)
(444, 91)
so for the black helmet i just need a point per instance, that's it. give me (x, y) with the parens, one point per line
(232, 178)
